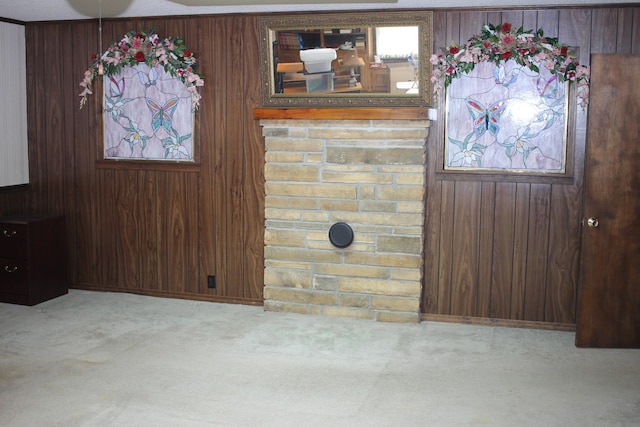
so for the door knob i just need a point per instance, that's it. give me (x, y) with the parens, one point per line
(593, 222)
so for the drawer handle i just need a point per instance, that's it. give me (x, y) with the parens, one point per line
(9, 234)
(10, 270)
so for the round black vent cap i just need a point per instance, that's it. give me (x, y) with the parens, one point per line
(341, 235)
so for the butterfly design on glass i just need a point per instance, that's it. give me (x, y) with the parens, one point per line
(148, 79)
(547, 88)
(485, 119)
(503, 78)
(116, 87)
(162, 115)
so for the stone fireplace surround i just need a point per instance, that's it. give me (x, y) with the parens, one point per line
(369, 174)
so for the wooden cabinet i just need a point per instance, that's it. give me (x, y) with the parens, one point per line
(380, 78)
(33, 261)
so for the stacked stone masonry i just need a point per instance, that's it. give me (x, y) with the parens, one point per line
(368, 174)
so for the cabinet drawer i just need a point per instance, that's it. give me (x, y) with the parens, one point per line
(14, 277)
(13, 241)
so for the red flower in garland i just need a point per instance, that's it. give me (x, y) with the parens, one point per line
(503, 42)
(138, 48)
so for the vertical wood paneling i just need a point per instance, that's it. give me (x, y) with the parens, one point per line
(452, 28)
(148, 214)
(235, 156)
(514, 17)
(466, 230)
(171, 229)
(253, 187)
(191, 216)
(548, 20)
(445, 252)
(563, 257)
(519, 257)
(83, 224)
(38, 127)
(537, 252)
(624, 31)
(531, 230)
(635, 32)
(604, 21)
(69, 190)
(129, 224)
(575, 30)
(485, 249)
(502, 262)
(163, 263)
(220, 179)
(430, 297)
(177, 258)
(208, 129)
(471, 24)
(109, 226)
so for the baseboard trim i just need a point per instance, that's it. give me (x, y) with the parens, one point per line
(161, 294)
(508, 323)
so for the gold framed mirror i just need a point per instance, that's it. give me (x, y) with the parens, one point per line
(374, 59)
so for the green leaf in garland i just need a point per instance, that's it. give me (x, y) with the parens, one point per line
(526, 47)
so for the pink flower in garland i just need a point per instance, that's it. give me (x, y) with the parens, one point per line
(508, 39)
(499, 43)
(139, 47)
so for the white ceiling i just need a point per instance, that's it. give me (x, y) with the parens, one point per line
(55, 10)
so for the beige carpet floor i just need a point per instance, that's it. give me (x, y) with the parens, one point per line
(110, 359)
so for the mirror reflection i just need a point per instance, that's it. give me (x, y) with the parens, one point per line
(380, 60)
(377, 59)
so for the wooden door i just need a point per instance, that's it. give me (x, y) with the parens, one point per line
(609, 297)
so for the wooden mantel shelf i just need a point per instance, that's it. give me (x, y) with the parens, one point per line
(346, 113)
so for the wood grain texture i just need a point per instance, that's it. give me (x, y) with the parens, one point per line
(465, 243)
(537, 252)
(528, 242)
(486, 224)
(155, 229)
(502, 241)
(402, 113)
(610, 261)
(162, 230)
(254, 159)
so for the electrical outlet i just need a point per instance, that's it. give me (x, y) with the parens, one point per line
(211, 282)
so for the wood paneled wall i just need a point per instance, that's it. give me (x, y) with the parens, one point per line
(162, 230)
(510, 250)
(159, 230)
